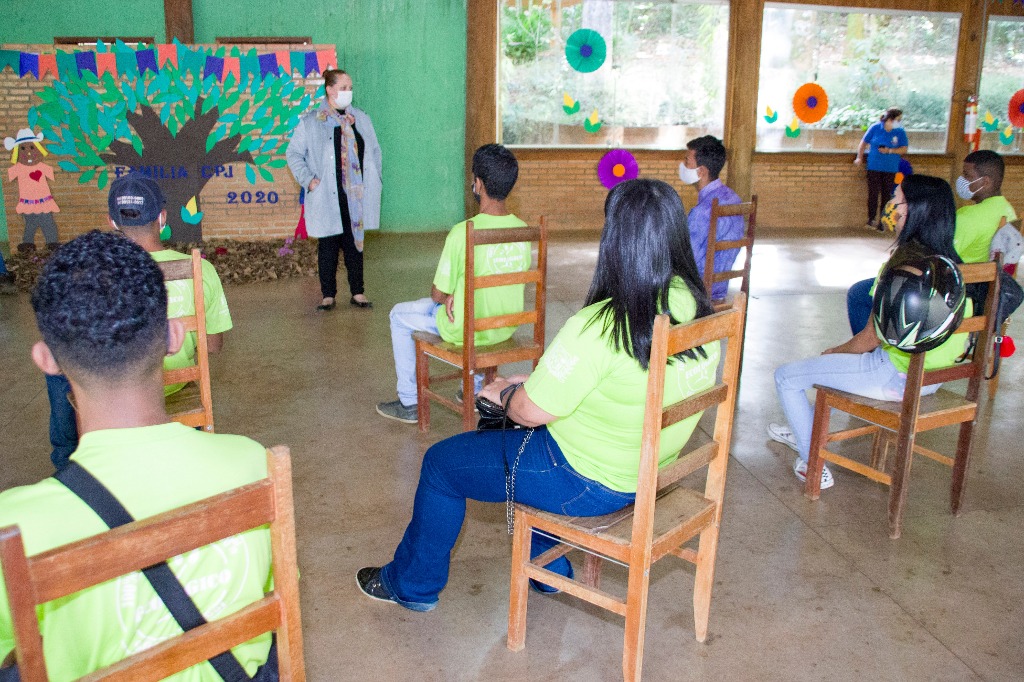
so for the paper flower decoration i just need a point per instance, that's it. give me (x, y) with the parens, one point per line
(1006, 137)
(1016, 109)
(585, 50)
(570, 105)
(189, 215)
(771, 115)
(810, 103)
(617, 166)
(593, 123)
(989, 123)
(793, 129)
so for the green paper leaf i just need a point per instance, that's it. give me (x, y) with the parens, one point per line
(261, 159)
(266, 175)
(278, 163)
(137, 144)
(211, 140)
(86, 176)
(102, 181)
(68, 166)
(250, 174)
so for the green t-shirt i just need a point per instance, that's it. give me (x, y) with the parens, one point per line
(491, 259)
(945, 355)
(976, 224)
(180, 304)
(598, 395)
(149, 470)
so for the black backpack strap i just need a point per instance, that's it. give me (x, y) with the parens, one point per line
(164, 582)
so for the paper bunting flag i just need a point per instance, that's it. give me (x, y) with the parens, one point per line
(311, 65)
(989, 123)
(283, 58)
(810, 103)
(268, 65)
(106, 62)
(11, 58)
(593, 123)
(191, 61)
(793, 129)
(231, 65)
(326, 59)
(296, 64)
(28, 62)
(1006, 136)
(569, 105)
(167, 52)
(147, 61)
(1016, 109)
(127, 64)
(86, 61)
(47, 64)
(771, 115)
(214, 67)
(67, 65)
(585, 50)
(249, 65)
(617, 166)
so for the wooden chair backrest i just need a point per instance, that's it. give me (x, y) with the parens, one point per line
(74, 567)
(981, 322)
(536, 275)
(726, 325)
(192, 269)
(748, 210)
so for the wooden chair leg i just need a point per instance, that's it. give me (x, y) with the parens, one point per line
(591, 570)
(960, 464)
(468, 402)
(819, 434)
(704, 580)
(636, 622)
(422, 383)
(879, 450)
(520, 588)
(899, 484)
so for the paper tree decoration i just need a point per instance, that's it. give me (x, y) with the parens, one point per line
(617, 166)
(793, 129)
(569, 105)
(1006, 136)
(989, 123)
(810, 103)
(771, 115)
(190, 214)
(585, 50)
(1016, 109)
(593, 123)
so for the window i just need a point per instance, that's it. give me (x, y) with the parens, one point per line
(1001, 76)
(866, 61)
(662, 82)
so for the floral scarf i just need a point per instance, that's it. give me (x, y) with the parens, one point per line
(352, 175)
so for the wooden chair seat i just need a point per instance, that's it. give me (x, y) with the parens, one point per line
(939, 409)
(186, 406)
(505, 352)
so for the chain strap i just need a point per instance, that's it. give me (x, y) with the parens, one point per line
(510, 484)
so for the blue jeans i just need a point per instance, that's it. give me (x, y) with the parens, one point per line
(472, 466)
(406, 318)
(858, 304)
(871, 375)
(63, 426)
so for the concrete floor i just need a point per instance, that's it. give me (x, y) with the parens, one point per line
(804, 590)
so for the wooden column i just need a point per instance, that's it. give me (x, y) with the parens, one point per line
(745, 18)
(178, 21)
(481, 83)
(973, 27)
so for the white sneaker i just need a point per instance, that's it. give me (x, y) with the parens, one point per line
(780, 433)
(800, 469)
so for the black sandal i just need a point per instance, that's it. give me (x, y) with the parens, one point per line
(328, 306)
(360, 304)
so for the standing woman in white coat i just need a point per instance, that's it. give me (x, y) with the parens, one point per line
(335, 156)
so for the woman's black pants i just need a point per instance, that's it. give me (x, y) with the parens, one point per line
(327, 250)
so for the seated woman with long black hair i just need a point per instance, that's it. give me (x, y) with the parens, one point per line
(864, 365)
(584, 402)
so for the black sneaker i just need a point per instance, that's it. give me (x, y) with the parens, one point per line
(370, 583)
(397, 411)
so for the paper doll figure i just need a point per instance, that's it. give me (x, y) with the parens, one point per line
(34, 199)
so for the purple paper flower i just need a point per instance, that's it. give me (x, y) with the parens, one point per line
(617, 166)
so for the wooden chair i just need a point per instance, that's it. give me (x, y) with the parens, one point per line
(193, 404)
(913, 415)
(665, 516)
(66, 570)
(468, 358)
(748, 211)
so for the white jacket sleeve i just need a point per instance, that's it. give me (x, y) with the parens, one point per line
(298, 149)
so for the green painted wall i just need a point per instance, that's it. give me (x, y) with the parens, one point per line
(407, 59)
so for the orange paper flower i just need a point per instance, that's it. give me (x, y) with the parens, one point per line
(810, 103)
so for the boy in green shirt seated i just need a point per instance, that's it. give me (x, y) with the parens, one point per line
(976, 224)
(101, 306)
(495, 171)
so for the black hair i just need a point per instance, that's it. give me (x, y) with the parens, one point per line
(497, 168)
(644, 244)
(101, 306)
(931, 215)
(988, 164)
(891, 114)
(710, 153)
(332, 75)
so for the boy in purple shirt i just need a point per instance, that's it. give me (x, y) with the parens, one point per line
(705, 157)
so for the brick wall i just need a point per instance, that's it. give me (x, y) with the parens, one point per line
(83, 206)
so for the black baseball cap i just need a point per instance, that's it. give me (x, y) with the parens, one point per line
(134, 200)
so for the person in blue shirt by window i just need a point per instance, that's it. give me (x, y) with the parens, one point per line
(884, 142)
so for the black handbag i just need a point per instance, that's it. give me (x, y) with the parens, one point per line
(493, 417)
(1010, 297)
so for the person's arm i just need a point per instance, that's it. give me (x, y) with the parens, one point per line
(298, 148)
(864, 341)
(861, 149)
(517, 404)
(215, 342)
(438, 296)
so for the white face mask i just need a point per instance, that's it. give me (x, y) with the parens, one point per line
(689, 176)
(963, 187)
(897, 124)
(343, 99)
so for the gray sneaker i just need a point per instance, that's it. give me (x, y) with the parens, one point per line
(397, 411)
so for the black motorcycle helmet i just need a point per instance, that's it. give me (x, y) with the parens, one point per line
(919, 300)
